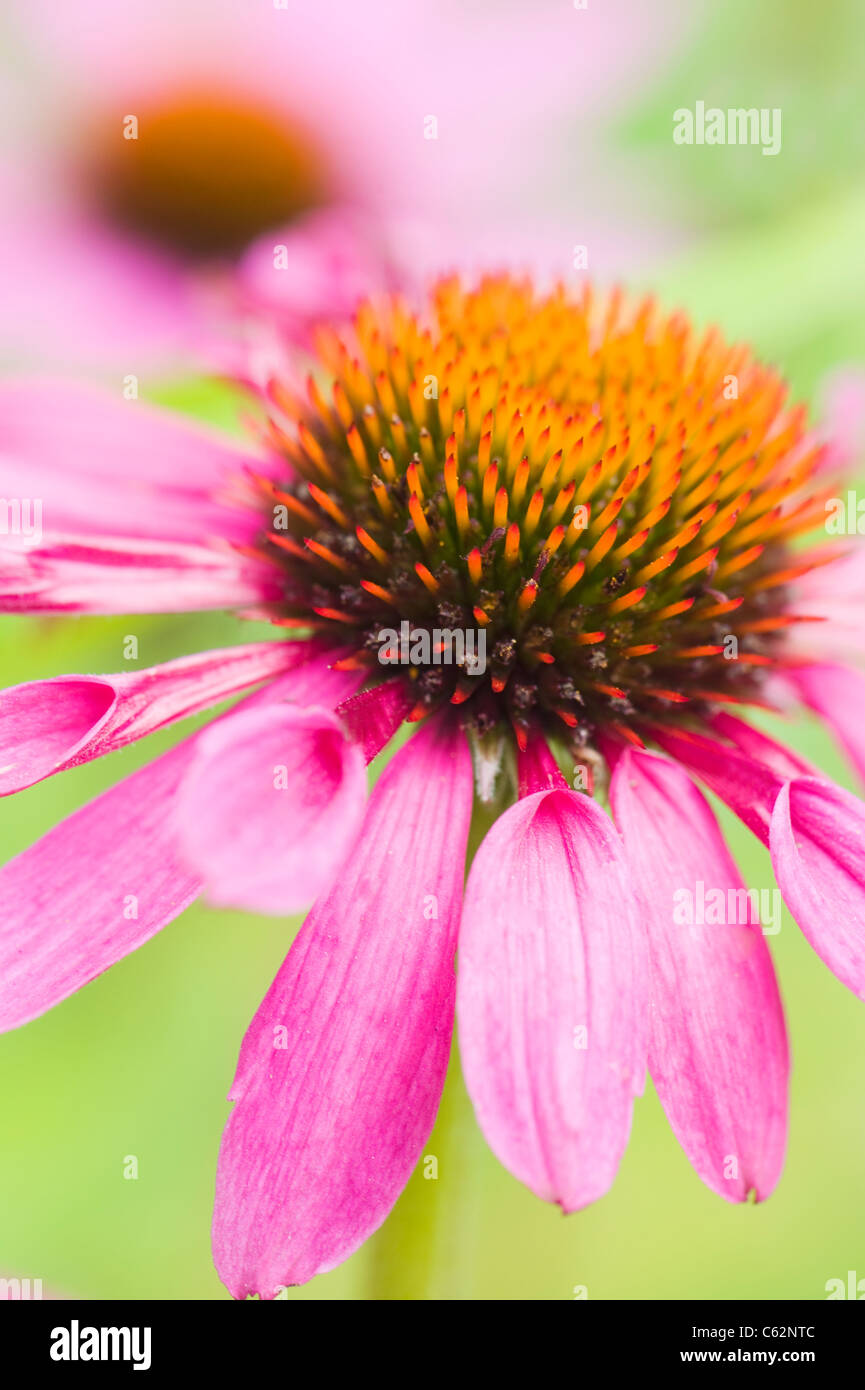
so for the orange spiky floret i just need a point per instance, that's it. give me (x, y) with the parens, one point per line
(572, 476)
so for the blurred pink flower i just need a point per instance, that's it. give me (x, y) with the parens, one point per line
(268, 125)
(842, 401)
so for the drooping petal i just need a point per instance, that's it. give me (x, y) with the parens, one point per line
(47, 726)
(837, 694)
(552, 995)
(269, 805)
(96, 887)
(104, 880)
(749, 787)
(816, 834)
(718, 1046)
(130, 576)
(341, 1070)
(760, 747)
(817, 841)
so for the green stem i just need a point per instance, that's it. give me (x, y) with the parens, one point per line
(424, 1249)
(421, 1251)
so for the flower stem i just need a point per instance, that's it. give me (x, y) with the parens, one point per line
(423, 1250)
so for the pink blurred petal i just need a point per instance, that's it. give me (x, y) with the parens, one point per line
(47, 726)
(341, 1070)
(837, 694)
(843, 408)
(77, 295)
(314, 681)
(104, 575)
(718, 1046)
(835, 594)
(269, 806)
(550, 944)
(104, 466)
(316, 270)
(817, 840)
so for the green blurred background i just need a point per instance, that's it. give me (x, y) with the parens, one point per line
(139, 1063)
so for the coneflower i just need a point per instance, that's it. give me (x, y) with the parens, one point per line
(616, 504)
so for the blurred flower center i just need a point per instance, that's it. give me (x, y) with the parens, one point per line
(604, 498)
(204, 176)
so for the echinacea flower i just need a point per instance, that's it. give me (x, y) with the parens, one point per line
(611, 501)
(170, 161)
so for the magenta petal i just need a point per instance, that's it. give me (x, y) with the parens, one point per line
(817, 841)
(73, 575)
(372, 717)
(103, 881)
(761, 748)
(93, 889)
(341, 1070)
(837, 694)
(537, 769)
(47, 726)
(747, 786)
(270, 804)
(551, 995)
(43, 722)
(718, 1044)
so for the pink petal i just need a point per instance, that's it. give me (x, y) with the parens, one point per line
(104, 466)
(837, 694)
(718, 1045)
(761, 748)
(817, 840)
(341, 1070)
(269, 806)
(373, 716)
(843, 408)
(78, 296)
(748, 787)
(96, 887)
(537, 769)
(328, 262)
(104, 880)
(551, 995)
(47, 726)
(120, 576)
(834, 594)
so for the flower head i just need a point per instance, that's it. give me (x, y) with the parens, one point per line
(204, 175)
(614, 502)
(608, 498)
